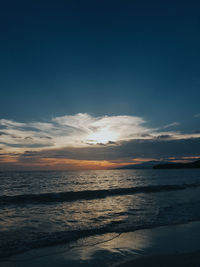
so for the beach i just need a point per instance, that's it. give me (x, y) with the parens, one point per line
(176, 245)
(178, 259)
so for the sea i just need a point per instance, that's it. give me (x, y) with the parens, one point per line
(40, 209)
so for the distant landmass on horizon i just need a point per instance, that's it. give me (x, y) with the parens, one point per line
(189, 165)
(163, 165)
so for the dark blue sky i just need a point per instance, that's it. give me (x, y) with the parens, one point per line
(101, 57)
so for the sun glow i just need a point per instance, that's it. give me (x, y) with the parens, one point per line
(102, 136)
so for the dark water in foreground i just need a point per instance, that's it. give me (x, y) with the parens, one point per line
(45, 208)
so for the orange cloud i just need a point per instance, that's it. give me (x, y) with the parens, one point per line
(71, 164)
(13, 162)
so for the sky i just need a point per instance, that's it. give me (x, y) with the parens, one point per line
(98, 84)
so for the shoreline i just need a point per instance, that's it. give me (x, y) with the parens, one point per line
(175, 245)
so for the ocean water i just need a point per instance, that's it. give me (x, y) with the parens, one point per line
(39, 209)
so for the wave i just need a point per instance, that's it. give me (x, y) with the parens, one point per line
(87, 194)
(43, 239)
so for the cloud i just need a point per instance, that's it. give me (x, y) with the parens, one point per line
(126, 150)
(81, 130)
(103, 140)
(74, 130)
(197, 115)
(105, 156)
(173, 124)
(11, 123)
(104, 129)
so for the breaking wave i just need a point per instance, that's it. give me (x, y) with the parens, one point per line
(87, 194)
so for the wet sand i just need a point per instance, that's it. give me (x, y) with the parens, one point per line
(176, 245)
(181, 259)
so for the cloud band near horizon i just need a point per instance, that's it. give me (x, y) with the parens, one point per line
(82, 141)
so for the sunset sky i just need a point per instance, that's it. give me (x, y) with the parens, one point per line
(98, 84)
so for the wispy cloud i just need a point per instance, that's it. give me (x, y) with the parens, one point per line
(80, 130)
(75, 130)
(103, 140)
(173, 124)
(197, 115)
